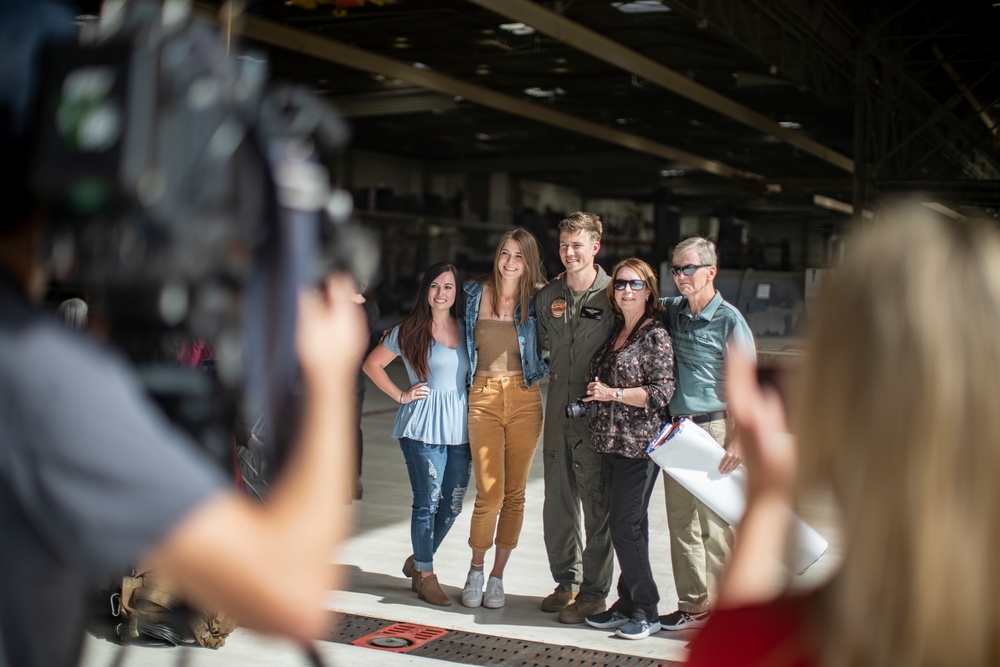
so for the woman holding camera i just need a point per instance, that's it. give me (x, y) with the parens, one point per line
(431, 423)
(894, 409)
(633, 382)
(505, 405)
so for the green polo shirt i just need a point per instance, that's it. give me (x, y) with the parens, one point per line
(700, 346)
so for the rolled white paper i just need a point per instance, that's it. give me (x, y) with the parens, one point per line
(691, 456)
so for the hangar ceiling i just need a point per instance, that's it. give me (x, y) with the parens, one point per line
(713, 100)
(758, 107)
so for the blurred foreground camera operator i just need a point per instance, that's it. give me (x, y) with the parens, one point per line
(94, 479)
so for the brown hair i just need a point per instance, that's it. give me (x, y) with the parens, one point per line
(581, 221)
(415, 335)
(653, 307)
(534, 274)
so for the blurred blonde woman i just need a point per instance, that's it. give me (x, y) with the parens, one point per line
(895, 411)
(505, 405)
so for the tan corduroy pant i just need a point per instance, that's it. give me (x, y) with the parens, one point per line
(505, 423)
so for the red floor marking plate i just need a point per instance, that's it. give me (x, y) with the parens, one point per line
(415, 635)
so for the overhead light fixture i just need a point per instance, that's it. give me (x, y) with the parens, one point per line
(560, 70)
(832, 204)
(483, 70)
(518, 28)
(499, 42)
(944, 210)
(790, 125)
(640, 6)
(420, 66)
(535, 91)
(386, 81)
(671, 173)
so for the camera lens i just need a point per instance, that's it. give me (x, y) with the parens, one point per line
(577, 410)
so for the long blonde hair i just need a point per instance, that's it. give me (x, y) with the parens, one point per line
(899, 417)
(534, 274)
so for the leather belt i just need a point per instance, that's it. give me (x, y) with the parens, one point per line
(702, 417)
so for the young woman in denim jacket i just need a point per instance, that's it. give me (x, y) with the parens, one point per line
(505, 405)
(431, 424)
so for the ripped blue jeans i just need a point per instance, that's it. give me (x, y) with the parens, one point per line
(439, 477)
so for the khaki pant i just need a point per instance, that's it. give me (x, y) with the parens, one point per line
(505, 423)
(700, 541)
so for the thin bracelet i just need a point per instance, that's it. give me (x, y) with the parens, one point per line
(401, 397)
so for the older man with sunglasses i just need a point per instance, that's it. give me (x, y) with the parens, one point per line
(702, 326)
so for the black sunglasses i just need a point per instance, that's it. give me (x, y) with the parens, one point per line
(636, 284)
(687, 270)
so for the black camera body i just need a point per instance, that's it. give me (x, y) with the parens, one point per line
(189, 193)
(580, 408)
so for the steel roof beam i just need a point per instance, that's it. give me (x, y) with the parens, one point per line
(610, 51)
(324, 48)
(967, 92)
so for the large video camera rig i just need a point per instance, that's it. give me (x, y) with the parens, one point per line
(192, 194)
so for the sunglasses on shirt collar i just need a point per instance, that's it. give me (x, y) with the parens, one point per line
(688, 269)
(636, 284)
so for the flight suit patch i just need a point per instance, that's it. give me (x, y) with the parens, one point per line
(558, 308)
(591, 313)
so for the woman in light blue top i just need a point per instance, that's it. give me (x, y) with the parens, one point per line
(432, 422)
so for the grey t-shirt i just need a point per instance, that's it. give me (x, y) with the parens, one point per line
(91, 476)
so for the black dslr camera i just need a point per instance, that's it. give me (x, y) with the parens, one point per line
(580, 408)
(190, 196)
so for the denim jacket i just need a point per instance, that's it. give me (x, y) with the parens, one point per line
(532, 363)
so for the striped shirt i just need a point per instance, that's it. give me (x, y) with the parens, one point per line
(700, 345)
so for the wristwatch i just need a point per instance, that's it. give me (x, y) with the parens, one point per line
(621, 393)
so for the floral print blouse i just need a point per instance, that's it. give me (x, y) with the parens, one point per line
(646, 360)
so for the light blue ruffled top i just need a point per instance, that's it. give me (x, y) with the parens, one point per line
(442, 418)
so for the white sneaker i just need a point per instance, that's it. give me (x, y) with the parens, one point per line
(494, 597)
(472, 594)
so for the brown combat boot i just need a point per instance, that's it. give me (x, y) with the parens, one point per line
(429, 590)
(557, 600)
(580, 610)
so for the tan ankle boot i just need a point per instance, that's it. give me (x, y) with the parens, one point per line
(410, 570)
(429, 590)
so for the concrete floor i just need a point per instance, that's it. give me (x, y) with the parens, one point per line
(373, 557)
